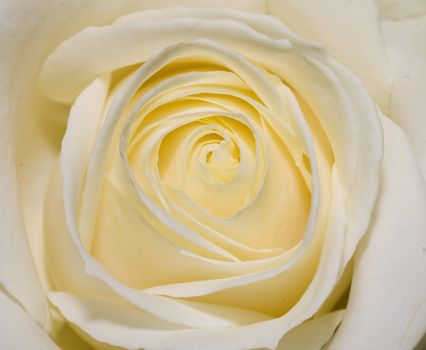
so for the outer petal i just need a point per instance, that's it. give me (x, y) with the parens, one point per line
(350, 32)
(17, 271)
(18, 331)
(406, 45)
(130, 324)
(387, 305)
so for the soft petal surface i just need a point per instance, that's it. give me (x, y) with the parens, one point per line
(18, 331)
(387, 305)
(406, 46)
(349, 30)
(109, 322)
(17, 270)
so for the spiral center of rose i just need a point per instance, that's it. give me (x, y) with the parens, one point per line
(204, 154)
(218, 156)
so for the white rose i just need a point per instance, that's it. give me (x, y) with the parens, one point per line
(187, 177)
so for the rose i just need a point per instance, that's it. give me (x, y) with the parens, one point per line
(365, 290)
(350, 144)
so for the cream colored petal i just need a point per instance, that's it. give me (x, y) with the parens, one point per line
(82, 311)
(349, 31)
(18, 330)
(367, 154)
(129, 328)
(37, 143)
(64, 263)
(18, 274)
(353, 128)
(329, 268)
(84, 122)
(93, 54)
(313, 334)
(270, 26)
(405, 43)
(387, 304)
(121, 325)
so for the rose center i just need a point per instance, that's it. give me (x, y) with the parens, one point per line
(220, 159)
(210, 164)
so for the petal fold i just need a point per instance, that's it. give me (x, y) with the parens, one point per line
(320, 330)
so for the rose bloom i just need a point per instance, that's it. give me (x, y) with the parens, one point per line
(218, 175)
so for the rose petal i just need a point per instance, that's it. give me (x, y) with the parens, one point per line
(387, 305)
(84, 122)
(406, 46)
(18, 274)
(121, 324)
(349, 30)
(64, 263)
(19, 331)
(17, 269)
(97, 50)
(129, 327)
